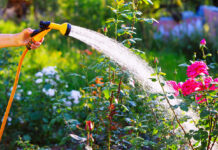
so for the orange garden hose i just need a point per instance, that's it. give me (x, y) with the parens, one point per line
(12, 94)
(37, 35)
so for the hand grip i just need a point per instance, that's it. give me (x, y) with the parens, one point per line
(37, 36)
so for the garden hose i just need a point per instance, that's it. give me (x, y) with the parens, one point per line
(36, 36)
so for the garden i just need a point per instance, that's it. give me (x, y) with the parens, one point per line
(132, 74)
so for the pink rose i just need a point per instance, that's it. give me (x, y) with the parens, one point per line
(203, 42)
(214, 86)
(189, 86)
(205, 84)
(197, 68)
(199, 99)
(175, 86)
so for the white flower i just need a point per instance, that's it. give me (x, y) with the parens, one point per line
(39, 74)
(38, 81)
(66, 86)
(57, 77)
(29, 93)
(52, 82)
(49, 92)
(75, 95)
(9, 119)
(49, 70)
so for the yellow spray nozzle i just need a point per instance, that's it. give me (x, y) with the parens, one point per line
(63, 28)
(45, 27)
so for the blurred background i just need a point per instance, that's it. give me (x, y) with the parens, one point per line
(182, 24)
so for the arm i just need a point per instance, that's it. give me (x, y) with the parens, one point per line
(19, 39)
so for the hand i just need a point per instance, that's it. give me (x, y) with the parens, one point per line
(24, 38)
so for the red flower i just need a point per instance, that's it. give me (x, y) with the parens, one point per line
(89, 125)
(88, 52)
(105, 29)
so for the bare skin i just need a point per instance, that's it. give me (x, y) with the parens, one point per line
(19, 39)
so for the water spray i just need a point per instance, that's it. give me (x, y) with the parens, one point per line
(36, 36)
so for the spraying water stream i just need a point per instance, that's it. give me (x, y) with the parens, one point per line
(120, 54)
(125, 58)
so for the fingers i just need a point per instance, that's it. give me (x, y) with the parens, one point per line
(35, 45)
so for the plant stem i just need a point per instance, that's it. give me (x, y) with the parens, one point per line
(171, 107)
(213, 143)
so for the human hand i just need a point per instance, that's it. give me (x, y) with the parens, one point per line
(24, 38)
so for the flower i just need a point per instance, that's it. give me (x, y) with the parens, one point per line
(88, 52)
(105, 29)
(189, 86)
(39, 81)
(214, 83)
(29, 92)
(75, 95)
(197, 68)
(205, 84)
(156, 61)
(49, 70)
(175, 86)
(89, 125)
(98, 80)
(198, 98)
(49, 92)
(203, 42)
(39, 74)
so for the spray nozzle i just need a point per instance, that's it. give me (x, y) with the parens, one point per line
(45, 27)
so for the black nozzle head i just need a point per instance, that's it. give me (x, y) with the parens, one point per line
(68, 29)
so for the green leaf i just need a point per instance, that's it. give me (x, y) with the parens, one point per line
(162, 73)
(155, 131)
(184, 107)
(153, 79)
(204, 113)
(106, 93)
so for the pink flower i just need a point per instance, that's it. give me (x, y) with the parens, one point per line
(189, 86)
(180, 85)
(197, 68)
(214, 85)
(175, 86)
(203, 42)
(205, 84)
(198, 98)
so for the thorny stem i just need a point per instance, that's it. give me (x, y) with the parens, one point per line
(171, 107)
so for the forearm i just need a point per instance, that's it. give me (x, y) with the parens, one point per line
(9, 40)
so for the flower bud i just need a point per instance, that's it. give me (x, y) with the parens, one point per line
(203, 42)
(89, 125)
(105, 29)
